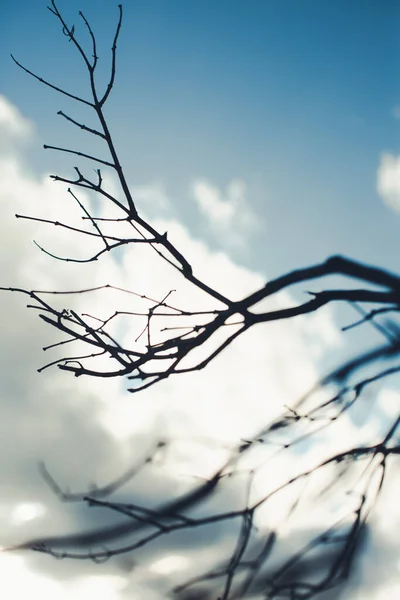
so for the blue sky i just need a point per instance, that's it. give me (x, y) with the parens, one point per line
(258, 133)
(295, 98)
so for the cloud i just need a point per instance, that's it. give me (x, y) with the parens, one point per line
(87, 430)
(228, 214)
(388, 180)
(18, 582)
(14, 127)
(151, 198)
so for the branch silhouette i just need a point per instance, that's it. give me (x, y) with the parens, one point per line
(170, 335)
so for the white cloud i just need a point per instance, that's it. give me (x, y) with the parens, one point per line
(14, 128)
(12, 121)
(228, 213)
(26, 511)
(83, 428)
(388, 180)
(152, 198)
(169, 563)
(18, 581)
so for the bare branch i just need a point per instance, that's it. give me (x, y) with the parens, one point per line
(81, 125)
(114, 54)
(166, 340)
(54, 87)
(89, 156)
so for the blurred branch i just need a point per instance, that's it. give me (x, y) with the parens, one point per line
(165, 338)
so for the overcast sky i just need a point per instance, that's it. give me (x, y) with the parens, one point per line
(264, 135)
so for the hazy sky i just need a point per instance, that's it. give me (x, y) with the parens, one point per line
(265, 134)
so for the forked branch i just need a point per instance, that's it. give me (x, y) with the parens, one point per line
(166, 337)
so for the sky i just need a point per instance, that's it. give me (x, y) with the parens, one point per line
(264, 135)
